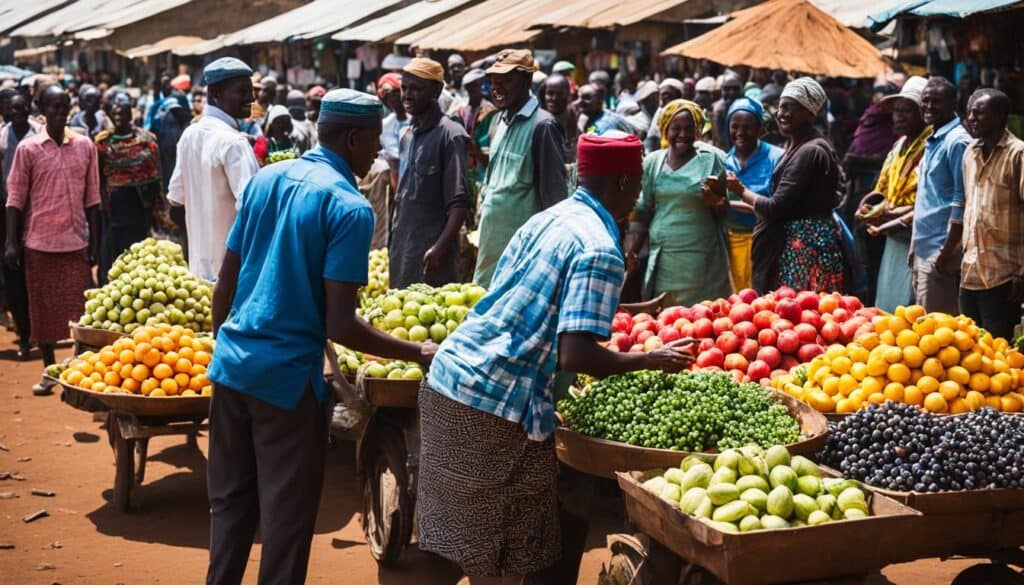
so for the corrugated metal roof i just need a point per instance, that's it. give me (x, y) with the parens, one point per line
(855, 13)
(166, 44)
(603, 13)
(94, 15)
(401, 21)
(793, 35)
(357, 14)
(954, 8)
(309, 19)
(490, 24)
(15, 13)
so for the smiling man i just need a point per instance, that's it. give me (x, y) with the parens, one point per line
(526, 172)
(215, 162)
(433, 197)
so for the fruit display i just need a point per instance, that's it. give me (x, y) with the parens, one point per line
(378, 281)
(899, 447)
(691, 411)
(756, 337)
(748, 489)
(350, 361)
(280, 155)
(935, 361)
(157, 361)
(420, 312)
(149, 284)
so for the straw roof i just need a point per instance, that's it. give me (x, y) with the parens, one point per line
(793, 35)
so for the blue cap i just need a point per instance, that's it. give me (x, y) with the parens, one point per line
(746, 104)
(350, 108)
(223, 69)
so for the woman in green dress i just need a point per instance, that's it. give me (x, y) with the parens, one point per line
(681, 213)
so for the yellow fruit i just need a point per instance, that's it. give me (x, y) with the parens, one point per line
(959, 405)
(881, 323)
(913, 356)
(151, 357)
(112, 379)
(877, 367)
(893, 391)
(841, 365)
(949, 390)
(821, 402)
(949, 356)
(870, 385)
(945, 336)
(189, 393)
(1000, 383)
(929, 345)
(987, 365)
(835, 350)
(933, 367)
(915, 375)
(959, 374)
(913, 395)
(893, 354)
(887, 338)
(876, 398)
(182, 366)
(130, 385)
(847, 383)
(935, 403)
(859, 371)
(981, 382)
(162, 371)
(98, 387)
(899, 373)
(928, 384)
(74, 377)
(207, 391)
(1010, 403)
(999, 365)
(126, 356)
(906, 338)
(963, 341)
(821, 375)
(897, 324)
(993, 401)
(181, 380)
(1015, 359)
(148, 386)
(857, 397)
(169, 386)
(108, 357)
(845, 405)
(197, 383)
(913, 312)
(156, 393)
(868, 340)
(831, 386)
(925, 325)
(975, 400)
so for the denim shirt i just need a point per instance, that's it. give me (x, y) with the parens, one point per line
(940, 188)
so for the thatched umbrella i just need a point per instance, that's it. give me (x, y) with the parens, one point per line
(793, 35)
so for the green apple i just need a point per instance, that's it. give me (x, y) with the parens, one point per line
(411, 308)
(411, 321)
(427, 314)
(413, 373)
(394, 319)
(454, 298)
(400, 333)
(419, 334)
(376, 370)
(438, 332)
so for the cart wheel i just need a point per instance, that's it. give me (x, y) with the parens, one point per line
(988, 574)
(124, 477)
(141, 450)
(387, 503)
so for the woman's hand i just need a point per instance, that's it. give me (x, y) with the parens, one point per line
(734, 185)
(711, 193)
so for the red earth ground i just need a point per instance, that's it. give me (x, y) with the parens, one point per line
(84, 540)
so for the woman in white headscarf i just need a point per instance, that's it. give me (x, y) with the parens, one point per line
(796, 241)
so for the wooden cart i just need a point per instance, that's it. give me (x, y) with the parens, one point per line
(132, 420)
(604, 458)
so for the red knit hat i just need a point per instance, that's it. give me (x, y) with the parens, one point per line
(611, 156)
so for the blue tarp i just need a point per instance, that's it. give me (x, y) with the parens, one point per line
(16, 72)
(954, 8)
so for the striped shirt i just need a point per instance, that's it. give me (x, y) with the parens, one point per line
(53, 185)
(562, 272)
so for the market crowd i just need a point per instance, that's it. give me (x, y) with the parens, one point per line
(561, 193)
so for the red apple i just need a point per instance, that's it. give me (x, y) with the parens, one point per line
(643, 336)
(622, 322)
(728, 342)
(758, 370)
(669, 334)
(641, 317)
(710, 358)
(831, 331)
(686, 313)
(788, 309)
(848, 330)
(764, 319)
(851, 303)
(685, 330)
(747, 295)
(811, 318)
(763, 304)
(789, 341)
(703, 328)
(721, 325)
(741, 312)
(841, 315)
(638, 328)
(789, 362)
(808, 300)
(809, 351)
(749, 348)
(806, 332)
(746, 330)
(780, 325)
(622, 341)
(734, 298)
(767, 337)
(785, 292)
(705, 344)
(720, 307)
(770, 355)
(701, 311)
(735, 361)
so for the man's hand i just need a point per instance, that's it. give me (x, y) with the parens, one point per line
(427, 351)
(432, 260)
(946, 262)
(1017, 289)
(12, 256)
(910, 259)
(672, 357)
(734, 185)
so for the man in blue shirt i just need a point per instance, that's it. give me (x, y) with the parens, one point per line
(487, 409)
(939, 209)
(296, 257)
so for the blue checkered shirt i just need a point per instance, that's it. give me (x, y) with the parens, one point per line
(562, 272)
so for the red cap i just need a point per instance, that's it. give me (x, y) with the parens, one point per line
(603, 155)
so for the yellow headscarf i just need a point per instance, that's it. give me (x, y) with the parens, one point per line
(672, 109)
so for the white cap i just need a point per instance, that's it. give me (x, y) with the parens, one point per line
(645, 90)
(706, 84)
(912, 90)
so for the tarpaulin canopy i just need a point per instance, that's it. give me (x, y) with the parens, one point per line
(855, 13)
(488, 25)
(167, 44)
(953, 8)
(14, 13)
(603, 13)
(94, 18)
(397, 23)
(793, 35)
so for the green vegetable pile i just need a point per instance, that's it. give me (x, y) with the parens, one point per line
(694, 412)
(747, 489)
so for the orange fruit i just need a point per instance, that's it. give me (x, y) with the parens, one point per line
(928, 384)
(857, 398)
(162, 371)
(125, 372)
(157, 392)
(949, 356)
(152, 357)
(189, 392)
(74, 377)
(831, 386)
(130, 385)
(933, 367)
(945, 336)
(108, 357)
(841, 365)
(186, 352)
(929, 345)
(148, 385)
(906, 338)
(981, 382)
(197, 382)
(871, 385)
(975, 399)
(868, 340)
(821, 402)
(207, 390)
(127, 356)
(887, 338)
(170, 358)
(847, 383)
(963, 341)
(894, 391)
(959, 374)
(913, 312)
(925, 325)
(881, 322)
(196, 370)
(877, 367)
(100, 368)
(1000, 383)
(845, 405)
(893, 354)
(182, 366)
(876, 398)
(913, 395)
(142, 335)
(959, 405)
(140, 372)
(948, 389)
(913, 356)
(897, 324)
(169, 386)
(899, 373)
(1015, 359)
(182, 380)
(1010, 403)
(96, 377)
(859, 371)
(98, 387)
(935, 403)
(112, 379)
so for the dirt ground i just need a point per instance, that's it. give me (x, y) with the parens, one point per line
(85, 541)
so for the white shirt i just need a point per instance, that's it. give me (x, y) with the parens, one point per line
(215, 161)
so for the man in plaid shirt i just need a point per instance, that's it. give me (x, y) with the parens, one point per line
(553, 296)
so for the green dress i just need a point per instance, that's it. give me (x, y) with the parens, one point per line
(689, 256)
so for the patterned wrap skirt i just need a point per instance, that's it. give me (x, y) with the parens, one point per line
(812, 258)
(486, 495)
(56, 284)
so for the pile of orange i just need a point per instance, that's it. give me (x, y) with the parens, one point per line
(941, 363)
(156, 361)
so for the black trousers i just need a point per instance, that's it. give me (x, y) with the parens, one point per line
(266, 471)
(991, 309)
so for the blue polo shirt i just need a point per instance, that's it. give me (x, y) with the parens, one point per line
(755, 175)
(940, 188)
(301, 222)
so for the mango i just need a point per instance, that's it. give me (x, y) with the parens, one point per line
(691, 499)
(780, 502)
(804, 466)
(809, 485)
(773, 522)
(752, 481)
(803, 505)
(783, 475)
(750, 523)
(732, 512)
(818, 517)
(756, 498)
(777, 455)
(723, 493)
(697, 476)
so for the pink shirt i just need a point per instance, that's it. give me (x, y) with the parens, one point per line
(53, 186)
